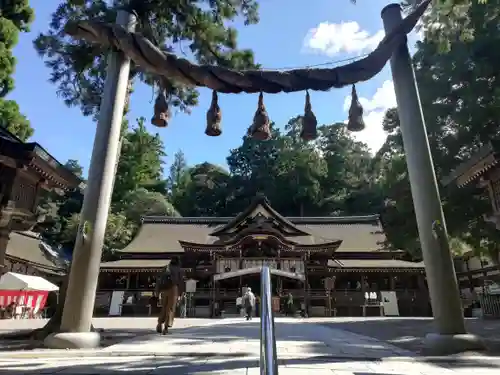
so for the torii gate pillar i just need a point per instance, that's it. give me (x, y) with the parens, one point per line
(451, 335)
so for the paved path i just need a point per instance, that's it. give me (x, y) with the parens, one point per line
(231, 346)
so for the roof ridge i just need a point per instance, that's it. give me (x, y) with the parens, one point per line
(294, 220)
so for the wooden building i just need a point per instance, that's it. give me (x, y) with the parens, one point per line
(477, 274)
(26, 170)
(329, 264)
(27, 254)
(483, 170)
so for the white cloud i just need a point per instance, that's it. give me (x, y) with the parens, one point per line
(346, 37)
(374, 111)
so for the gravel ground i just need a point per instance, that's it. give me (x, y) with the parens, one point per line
(408, 333)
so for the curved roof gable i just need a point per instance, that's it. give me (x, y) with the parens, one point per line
(259, 214)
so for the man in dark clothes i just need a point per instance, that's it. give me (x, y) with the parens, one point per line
(168, 288)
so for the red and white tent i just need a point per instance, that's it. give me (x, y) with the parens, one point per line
(17, 281)
(25, 290)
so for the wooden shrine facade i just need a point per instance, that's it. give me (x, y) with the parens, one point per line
(308, 256)
(482, 170)
(26, 170)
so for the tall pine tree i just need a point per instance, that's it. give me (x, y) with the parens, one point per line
(15, 17)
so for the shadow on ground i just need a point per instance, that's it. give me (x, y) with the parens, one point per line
(408, 333)
(233, 348)
(176, 365)
(20, 340)
(220, 364)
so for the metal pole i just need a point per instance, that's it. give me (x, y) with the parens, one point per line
(84, 273)
(441, 277)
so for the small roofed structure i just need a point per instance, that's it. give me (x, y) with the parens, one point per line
(27, 254)
(483, 170)
(224, 255)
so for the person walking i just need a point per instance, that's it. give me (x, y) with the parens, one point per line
(289, 305)
(249, 303)
(183, 305)
(168, 288)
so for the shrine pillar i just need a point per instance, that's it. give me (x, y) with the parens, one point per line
(82, 285)
(451, 336)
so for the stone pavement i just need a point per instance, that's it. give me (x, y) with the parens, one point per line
(409, 332)
(231, 346)
(116, 329)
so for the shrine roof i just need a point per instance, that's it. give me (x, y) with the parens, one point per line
(124, 265)
(164, 234)
(32, 154)
(354, 264)
(483, 160)
(26, 247)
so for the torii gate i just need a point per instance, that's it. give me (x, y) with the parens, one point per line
(446, 304)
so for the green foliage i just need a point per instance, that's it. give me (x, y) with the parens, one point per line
(299, 178)
(12, 120)
(119, 231)
(141, 161)
(15, 17)
(334, 175)
(460, 101)
(137, 192)
(142, 202)
(199, 28)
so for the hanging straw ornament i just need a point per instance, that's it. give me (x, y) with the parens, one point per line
(309, 123)
(260, 128)
(214, 117)
(355, 123)
(161, 110)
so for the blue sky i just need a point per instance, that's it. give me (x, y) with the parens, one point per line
(288, 35)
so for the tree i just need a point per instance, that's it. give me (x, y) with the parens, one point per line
(202, 190)
(75, 167)
(459, 97)
(15, 17)
(142, 202)
(177, 171)
(140, 164)
(12, 120)
(78, 68)
(119, 231)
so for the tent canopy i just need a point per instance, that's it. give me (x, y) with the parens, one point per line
(17, 281)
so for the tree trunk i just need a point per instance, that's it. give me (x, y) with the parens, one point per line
(54, 323)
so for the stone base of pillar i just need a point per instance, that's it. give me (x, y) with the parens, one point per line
(436, 344)
(73, 340)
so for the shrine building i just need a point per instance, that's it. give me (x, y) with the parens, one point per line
(329, 264)
(27, 171)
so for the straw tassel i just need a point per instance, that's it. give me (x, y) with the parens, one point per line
(309, 122)
(214, 117)
(161, 110)
(260, 129)
(356, 122)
